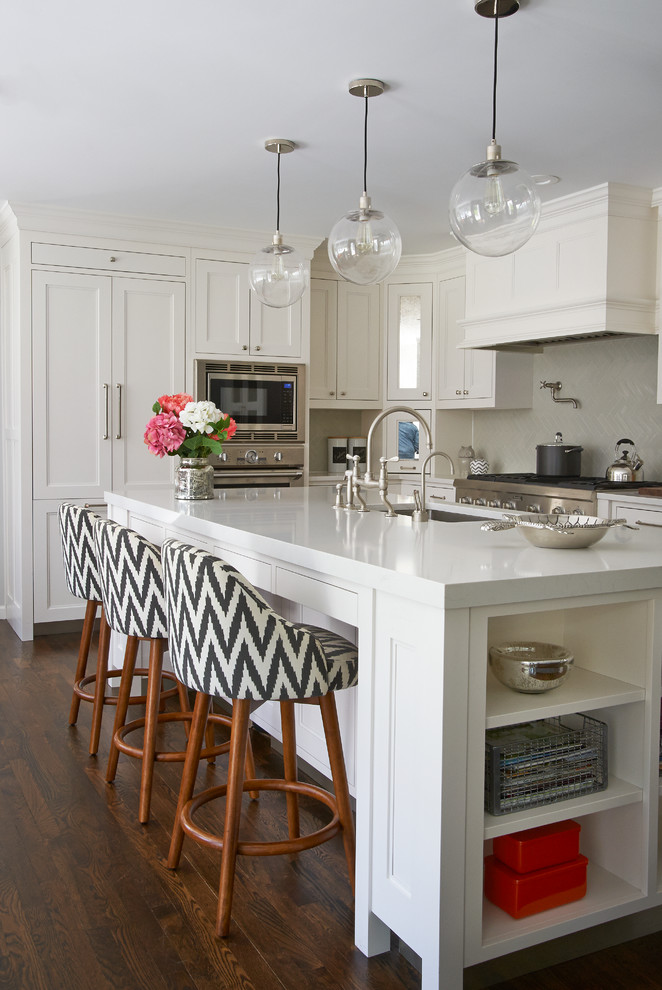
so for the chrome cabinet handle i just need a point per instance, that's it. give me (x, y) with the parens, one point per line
(257, 347)
(639, 522)
(440, 498)
(118, 435)
(95, 505)
(105, 402)
(425, 395)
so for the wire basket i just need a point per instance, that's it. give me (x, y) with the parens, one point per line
(541, 762)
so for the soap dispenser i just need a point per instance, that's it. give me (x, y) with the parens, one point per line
(464, 456)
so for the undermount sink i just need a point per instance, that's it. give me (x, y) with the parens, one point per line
(436, 515)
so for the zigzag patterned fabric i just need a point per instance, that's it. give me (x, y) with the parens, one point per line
(81, 569)
(225, 639)
(131, 581)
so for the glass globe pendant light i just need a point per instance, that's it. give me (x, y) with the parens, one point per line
(365, 245)
(278, 275)
(494, 207)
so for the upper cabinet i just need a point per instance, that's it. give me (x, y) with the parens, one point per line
(230, 322)
(475, 379)
(345, 351)
(409, 342)
(588, 271)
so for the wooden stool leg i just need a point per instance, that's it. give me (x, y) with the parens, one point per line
(184, 704)
(130, 654)
(290, 766)
(193, 750)
(100, 683)
(250, 766)
(339, 774)
(83, 653)
(156, 647)
(238, 740)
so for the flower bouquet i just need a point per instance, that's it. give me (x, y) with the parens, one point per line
(193, 430)
(187, 428)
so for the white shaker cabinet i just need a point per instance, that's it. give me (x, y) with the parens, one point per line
(409, 335)
(230, 321)
(105, 348)
(344, 345)
(476, 379)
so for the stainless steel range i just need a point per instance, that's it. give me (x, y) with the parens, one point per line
(535, 493)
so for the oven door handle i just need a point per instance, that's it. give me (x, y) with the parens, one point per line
(248, 478)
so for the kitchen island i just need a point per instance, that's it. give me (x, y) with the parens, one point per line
(426, 601)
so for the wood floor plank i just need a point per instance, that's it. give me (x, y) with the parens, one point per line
(87, 903)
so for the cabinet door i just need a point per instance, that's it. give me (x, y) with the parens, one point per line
(148, 334)
(409, 341)
(71, 385)
(323, 338)
(462, 375)
(358, 352)
(275, 332)
(221, 308)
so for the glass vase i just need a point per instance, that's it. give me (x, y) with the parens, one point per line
(194, 478)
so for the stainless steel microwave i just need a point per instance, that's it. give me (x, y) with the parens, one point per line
(265, 400)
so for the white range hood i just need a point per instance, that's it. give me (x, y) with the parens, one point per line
(588, 271)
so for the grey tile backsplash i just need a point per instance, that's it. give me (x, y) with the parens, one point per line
(614, 382)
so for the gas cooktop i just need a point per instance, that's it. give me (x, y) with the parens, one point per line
(587, 484)
(538, 493)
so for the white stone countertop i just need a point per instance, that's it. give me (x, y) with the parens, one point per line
(452, 565)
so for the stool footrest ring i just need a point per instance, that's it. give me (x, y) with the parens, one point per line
(273, 848)
(135, 699)
(171, 756)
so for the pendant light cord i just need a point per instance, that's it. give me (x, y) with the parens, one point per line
(365, 148)
(278, 196)
(494, 86)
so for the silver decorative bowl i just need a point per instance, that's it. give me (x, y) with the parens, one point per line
(530, 668)
(558, 531)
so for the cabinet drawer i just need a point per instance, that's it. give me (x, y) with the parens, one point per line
(108, 259)
(329, 599)
(634, 515)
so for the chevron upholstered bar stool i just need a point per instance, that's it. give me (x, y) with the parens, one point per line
(81, 571)
(225, 640)
(133, 599)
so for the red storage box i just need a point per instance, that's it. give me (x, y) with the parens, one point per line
(521, 894)
(536, 848)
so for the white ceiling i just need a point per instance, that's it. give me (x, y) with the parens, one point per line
(160, 108)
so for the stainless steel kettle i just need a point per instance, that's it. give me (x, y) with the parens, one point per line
(626, 465)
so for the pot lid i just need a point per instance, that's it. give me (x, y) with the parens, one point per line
(559, 442)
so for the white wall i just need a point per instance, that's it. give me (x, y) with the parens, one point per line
(614, 381)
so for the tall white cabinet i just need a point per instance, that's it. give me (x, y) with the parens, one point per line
(104, 348)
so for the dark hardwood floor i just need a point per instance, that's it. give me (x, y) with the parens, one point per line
(86, 900)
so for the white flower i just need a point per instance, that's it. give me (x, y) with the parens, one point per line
(199, 416)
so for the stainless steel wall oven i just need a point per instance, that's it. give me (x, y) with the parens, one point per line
(268, 403)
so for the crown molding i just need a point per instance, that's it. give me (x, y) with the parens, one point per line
(8, 223)
(55, 220)
(607, 199)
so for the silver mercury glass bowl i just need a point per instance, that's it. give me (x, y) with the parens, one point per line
(530, 667)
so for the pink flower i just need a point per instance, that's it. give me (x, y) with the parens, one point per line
(174, 403)
(231, 429)
(164, 433)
